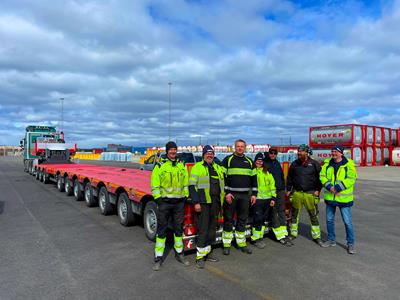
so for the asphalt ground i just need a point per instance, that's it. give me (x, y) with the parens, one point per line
(52, 247)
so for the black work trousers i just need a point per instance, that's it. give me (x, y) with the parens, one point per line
(262, 211)
(207, 222)
(240, 205)
(170, 208)
(280, 208)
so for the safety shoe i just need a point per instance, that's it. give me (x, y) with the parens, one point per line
(285, 242)
(350, 249)
(246, 250)
(200, 263)
(319, 242)
(328, 243)
(226, 251)
(291, 237)
(260, 244)
(181, 258)
(211, 258)
(157, 265)
(288, 241)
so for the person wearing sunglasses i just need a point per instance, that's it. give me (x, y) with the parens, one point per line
(279, 220)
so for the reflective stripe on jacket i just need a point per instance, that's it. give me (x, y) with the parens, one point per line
(200, 179)
(266, 185)
(343, 181)
(169, 180)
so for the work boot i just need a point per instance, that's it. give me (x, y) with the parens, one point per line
(319, 242)
(246, 250)
(226, 251)
(157, 265)
(291, 237)
(181, 258)
(288, 241)
(285, 242)
(211, 258)
(328, 243)
(350, 249)
(260, 244)
(200, 263)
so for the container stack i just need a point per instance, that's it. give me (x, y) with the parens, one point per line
(366, 145)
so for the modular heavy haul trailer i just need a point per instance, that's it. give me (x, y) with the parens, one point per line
(123, 191)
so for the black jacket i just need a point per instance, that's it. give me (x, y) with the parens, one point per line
(240, 183)
(304, 177)
(275, 168)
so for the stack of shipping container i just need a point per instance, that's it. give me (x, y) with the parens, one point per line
(366, 145)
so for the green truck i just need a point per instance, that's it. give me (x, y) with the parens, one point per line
(44, 144)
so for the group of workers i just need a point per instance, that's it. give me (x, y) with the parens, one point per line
(239, 185)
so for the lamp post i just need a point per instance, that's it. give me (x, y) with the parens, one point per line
(169, 110)
(62, 115)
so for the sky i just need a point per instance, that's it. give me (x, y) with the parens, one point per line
(260, 70)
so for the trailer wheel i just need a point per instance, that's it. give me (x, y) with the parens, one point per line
(106, 208)
(60, 183)
(150, 220)
(45, 177)
(124, 208)
(68, 187)
(89, 197)
(78, 194)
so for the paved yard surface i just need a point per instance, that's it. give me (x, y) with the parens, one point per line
(53, 247)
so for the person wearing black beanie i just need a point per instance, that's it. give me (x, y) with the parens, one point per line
(169, 187)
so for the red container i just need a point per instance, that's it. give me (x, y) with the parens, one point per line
(349, 135)
(369, 136)
(357, 154)
(378, 134)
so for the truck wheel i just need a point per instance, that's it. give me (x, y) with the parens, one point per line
(60, 183)
(124, 208)
(68, 187)
(106, 208)
(78, 194)
(150, 220)
(89, 197)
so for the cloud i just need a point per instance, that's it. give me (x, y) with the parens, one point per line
(261, 70)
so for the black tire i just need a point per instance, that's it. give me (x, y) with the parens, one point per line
(69, 190)
(45, 177)
(150, 220)
(88, 195)
(124, 209)
(106, 208)
(60, 184)
(78, 194)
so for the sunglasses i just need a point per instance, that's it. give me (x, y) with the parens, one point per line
(273, 152)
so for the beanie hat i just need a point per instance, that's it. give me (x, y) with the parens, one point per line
(207, 148)
(305, 148)
(258, 156)
(170, 145)
(338, 148)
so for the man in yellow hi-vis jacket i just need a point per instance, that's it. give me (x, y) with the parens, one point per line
(338, 176)
(169, 186)
(206, 189)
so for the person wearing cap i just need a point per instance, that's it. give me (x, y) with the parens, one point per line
(275, 168)
(266, 196)
(169, 187)
(338, 176)
(240, 191)
(304, 186)
(206, 189)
